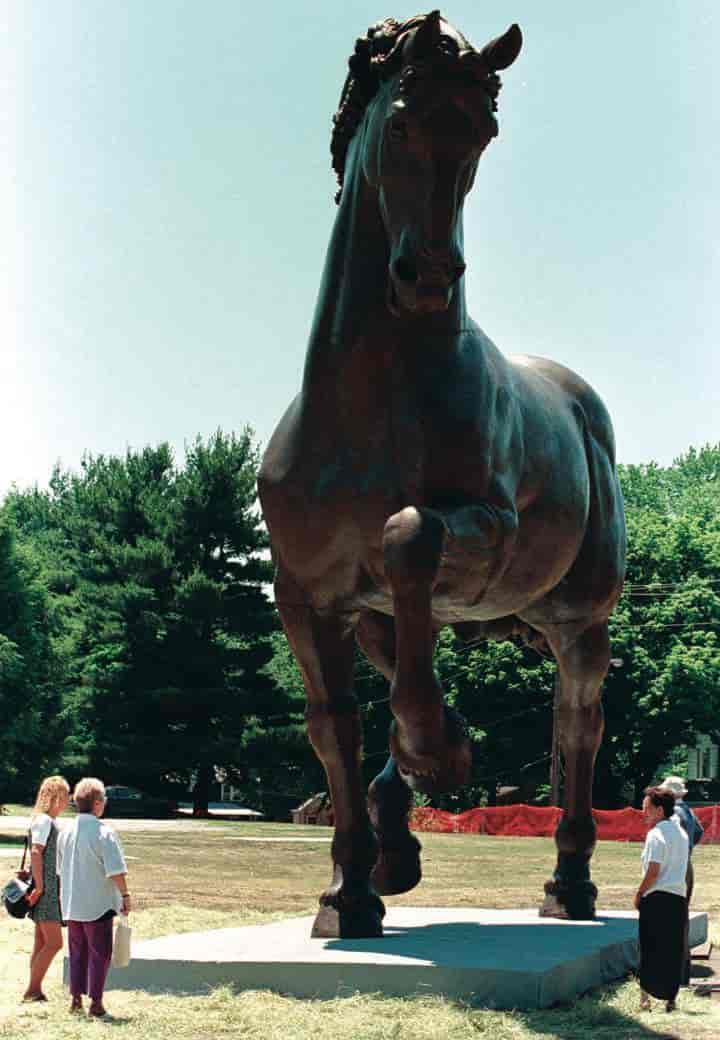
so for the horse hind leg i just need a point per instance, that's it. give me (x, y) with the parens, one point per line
(397, 868)
(582, 664)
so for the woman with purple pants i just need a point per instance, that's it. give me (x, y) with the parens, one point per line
(93, 889)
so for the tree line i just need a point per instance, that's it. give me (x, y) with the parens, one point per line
(139, 642)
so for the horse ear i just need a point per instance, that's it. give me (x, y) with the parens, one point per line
(503, 50)
(427, 36)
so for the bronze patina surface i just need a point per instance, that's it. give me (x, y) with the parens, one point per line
(421, 479)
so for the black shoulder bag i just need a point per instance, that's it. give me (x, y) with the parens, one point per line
(15, 893)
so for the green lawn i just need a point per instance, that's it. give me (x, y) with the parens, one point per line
(198, 875)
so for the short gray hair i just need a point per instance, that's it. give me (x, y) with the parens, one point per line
(88, 791)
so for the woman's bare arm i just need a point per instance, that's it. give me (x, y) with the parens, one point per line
(37, 853)
(120, 882)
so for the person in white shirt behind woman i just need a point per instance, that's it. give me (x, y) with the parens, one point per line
(661, 900)
(93, 889)
(52, 799)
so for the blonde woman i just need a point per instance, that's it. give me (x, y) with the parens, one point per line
(52, 799)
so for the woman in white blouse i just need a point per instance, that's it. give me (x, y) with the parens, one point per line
(52, 799)
(661, 900)
(93, 889)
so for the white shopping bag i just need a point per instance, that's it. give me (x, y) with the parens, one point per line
(121, 946)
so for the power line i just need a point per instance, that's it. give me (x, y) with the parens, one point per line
(651, 587)
(680, 624)
(494, 724)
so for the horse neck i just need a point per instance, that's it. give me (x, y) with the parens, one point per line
(352, 289)
(351, 311)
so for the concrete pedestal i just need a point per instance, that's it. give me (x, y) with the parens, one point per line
(495, 958)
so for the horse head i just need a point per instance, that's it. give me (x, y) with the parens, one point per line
(428, 100)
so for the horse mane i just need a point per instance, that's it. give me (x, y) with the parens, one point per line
(376, 56)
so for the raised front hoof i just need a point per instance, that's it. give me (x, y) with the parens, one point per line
(355, 923)
(438, 761)
(569, 902)
(397, 870)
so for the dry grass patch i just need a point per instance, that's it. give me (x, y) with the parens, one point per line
(213, 870)
(195, 878)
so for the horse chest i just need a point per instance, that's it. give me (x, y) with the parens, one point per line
(374, 449)
(444, 423)
(403, 448)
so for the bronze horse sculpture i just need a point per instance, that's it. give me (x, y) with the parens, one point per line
(420, 479)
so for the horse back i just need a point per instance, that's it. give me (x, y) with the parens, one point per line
(578, 394)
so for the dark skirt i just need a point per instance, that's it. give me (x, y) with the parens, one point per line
(47, 907)
(662, 934)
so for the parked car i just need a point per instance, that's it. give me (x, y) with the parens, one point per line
(129, 801)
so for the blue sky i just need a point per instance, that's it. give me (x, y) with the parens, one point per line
(168, 199)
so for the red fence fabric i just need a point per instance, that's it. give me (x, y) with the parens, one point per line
(619, 824)
(709, 817)
(540, 822)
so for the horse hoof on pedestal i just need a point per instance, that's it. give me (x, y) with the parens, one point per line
(573, 902)
(552, 907)
(397, 870)
(357, 923)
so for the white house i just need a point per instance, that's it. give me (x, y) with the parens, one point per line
(703, 760)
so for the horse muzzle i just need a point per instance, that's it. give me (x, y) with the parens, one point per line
(418, 300)
(414, 291)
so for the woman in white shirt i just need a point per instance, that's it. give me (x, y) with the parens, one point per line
(52, 799)
(661, 900)
(93, 889)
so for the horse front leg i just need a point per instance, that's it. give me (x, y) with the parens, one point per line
(349, 907)
(582, 665)
(397, 868)
(427, 738)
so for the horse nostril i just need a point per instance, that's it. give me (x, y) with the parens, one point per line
(404, 270)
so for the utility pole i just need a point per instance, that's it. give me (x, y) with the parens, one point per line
(555, 752)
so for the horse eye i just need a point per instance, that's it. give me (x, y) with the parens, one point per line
(449, 46)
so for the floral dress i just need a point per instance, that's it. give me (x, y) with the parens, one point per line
(47, 907)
